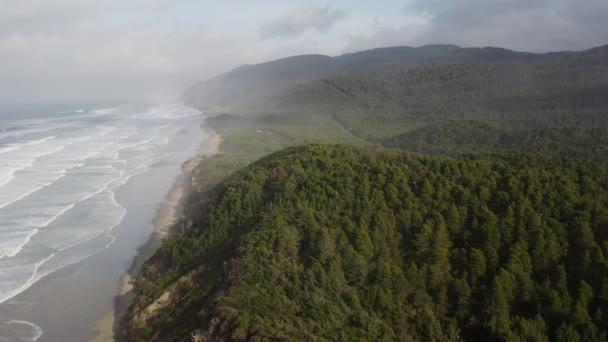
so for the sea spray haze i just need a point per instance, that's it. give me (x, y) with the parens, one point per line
(59, 172)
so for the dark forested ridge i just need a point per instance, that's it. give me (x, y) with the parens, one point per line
(250, 84)
(560, 91)
(466, 137)
(343, 243)
(382, 95)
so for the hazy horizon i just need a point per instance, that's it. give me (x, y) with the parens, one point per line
(87, 51)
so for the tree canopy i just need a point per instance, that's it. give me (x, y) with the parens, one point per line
(342, 243)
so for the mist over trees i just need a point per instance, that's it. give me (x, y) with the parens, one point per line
(529, 102)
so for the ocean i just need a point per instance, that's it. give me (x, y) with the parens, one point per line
(60, 171)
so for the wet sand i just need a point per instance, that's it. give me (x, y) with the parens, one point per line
(168, 213)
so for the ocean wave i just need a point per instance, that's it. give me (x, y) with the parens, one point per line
(13, 241)
(27, 155)
(10, 286)
(9, 148)
(49, 214)
(168, 111)
(66, 256)
(45, 173)
(7, 197)
(66, 239)
(58, 261)
(18, 132)
(32, 333)
(115, 219)
(91, 222)
(104, 111)
(13, 147)
(59, 207)
(35, 223)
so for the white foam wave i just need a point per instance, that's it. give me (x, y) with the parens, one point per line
(76, 251)
(116, 220)
(75, 254)
(104, 111)
(9, 247)
(17, 243)
(59, 260)
(10, 199)
(21, 132)
(7, 291)
(45, 173)
(9, 148)
(165, 111)
(62, 208)
(26, 156)
(39, 141)
(113, 215)
(36, 331)
(19, 224)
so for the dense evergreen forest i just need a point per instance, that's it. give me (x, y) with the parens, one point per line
(458, 137)
(467, 200)
(562, 91)
(343, 243)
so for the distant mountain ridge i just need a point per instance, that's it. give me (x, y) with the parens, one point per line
(380, 95)
(249, 83)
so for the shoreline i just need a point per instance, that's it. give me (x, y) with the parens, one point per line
(170, 210)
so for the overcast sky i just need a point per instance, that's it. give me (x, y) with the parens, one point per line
(75, 50)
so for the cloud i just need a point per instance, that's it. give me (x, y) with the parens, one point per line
(85, 50)
(39, 16)
(301, 20)
(115, 63)
(88, 50)
(75, 51)
(157, 4)
(378, 33)
(537, 25)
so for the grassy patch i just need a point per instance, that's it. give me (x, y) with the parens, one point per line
(378, 126)
(247, 139)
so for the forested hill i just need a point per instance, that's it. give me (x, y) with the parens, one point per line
(252, 84)
(458, 137)
(564, 90)
(343, 243)
(382, 95)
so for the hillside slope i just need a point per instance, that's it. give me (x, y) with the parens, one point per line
(343, 243)
(247, 85)
(381, 95)
(458, 137)
(565, 90)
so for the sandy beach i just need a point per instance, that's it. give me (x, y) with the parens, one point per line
(168, 213)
